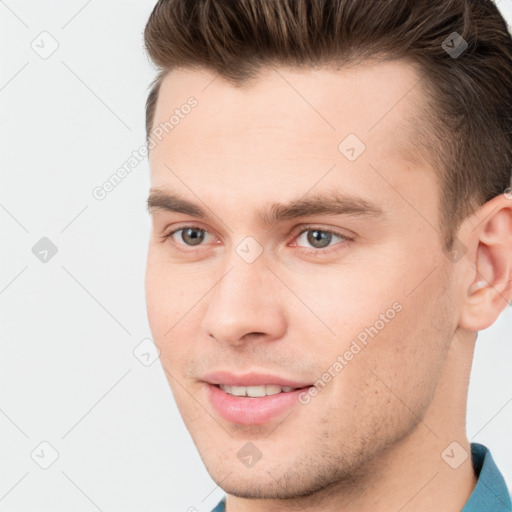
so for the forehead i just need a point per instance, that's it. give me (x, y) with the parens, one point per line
(286, 129)
(378, 101)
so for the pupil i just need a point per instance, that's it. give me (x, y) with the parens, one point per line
(319, 239)
(190, 236)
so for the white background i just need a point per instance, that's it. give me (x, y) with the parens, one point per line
(68, 375)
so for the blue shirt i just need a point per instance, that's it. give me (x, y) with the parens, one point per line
(489, 495)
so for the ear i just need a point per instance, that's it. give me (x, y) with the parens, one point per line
(487, 288)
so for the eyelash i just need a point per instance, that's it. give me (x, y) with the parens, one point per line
(304, 229)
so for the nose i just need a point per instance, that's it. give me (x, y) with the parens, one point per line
(247, 303)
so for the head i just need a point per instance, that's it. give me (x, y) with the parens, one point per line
(326, 210)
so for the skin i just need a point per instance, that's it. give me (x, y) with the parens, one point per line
(372, 438)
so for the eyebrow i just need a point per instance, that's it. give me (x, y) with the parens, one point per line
(326, 203)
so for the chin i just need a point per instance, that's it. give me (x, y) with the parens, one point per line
(276, 479)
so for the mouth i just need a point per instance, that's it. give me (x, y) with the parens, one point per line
(252, 399)
(255, 391)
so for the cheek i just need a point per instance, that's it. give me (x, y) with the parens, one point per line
(351, 294)
(169, 293)
(344, 303)
(404, 360)
(390, 332)
(164, 304)
(175, 301)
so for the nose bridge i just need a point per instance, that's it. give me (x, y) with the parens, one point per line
(245, 299)
(247, 270)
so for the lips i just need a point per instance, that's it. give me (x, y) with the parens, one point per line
(254, 398)
(252, 379)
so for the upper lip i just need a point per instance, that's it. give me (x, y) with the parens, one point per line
(252, 379)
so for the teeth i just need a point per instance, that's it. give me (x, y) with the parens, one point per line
(255, 391)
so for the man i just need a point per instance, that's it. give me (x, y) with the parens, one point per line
(332, 226)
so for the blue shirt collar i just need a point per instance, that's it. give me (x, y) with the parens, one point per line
(489, 495)
(490, 492)
(221, 507)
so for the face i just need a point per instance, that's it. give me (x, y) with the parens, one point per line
(286, 254)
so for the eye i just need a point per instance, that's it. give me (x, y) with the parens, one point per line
(189, 235)
(319, 238)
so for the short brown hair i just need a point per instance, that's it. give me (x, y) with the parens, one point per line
(470, 95)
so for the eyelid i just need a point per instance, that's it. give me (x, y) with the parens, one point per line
(312, 227)
(190, 224)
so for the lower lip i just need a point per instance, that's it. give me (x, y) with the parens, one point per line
(251, 410)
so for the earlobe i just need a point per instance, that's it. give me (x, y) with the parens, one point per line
(490, 288)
